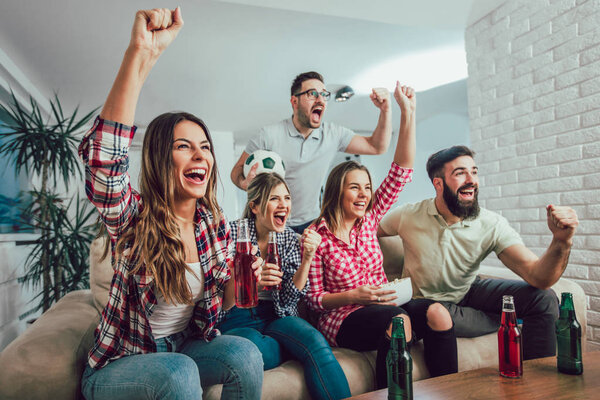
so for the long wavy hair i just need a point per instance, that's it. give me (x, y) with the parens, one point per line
(259, 190)
(154, 238)
(331, 210)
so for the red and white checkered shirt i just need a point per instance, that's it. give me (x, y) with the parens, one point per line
(124, 327)
(338, 267)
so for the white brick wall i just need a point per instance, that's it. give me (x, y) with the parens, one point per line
(534, 108)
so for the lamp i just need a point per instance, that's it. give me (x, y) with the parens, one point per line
(344, 93)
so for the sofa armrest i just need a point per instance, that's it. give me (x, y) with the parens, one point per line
(47, 360)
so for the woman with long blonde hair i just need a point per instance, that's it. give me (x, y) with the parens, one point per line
(157, 338)
(274, 325)
(347, 270)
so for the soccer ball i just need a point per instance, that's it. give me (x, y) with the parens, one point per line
(268, 161)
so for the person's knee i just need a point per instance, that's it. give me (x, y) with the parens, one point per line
(407, 327)
(243, 355)
(438, 317)
(549, 301)
(178, 379)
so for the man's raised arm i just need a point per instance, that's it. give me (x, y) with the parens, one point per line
(379, 141)
(543, 272)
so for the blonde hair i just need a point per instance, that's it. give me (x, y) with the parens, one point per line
(154, 238)
(331, 210)
(258, 192)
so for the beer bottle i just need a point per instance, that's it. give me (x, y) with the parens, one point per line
(510, 350)
(399, 364)
(568, 338)
(273, 257)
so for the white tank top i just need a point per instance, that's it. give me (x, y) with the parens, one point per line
(167, 319)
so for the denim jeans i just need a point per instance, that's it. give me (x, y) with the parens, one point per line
(178, 369)
(290, 337)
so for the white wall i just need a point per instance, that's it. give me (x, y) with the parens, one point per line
(534, 99)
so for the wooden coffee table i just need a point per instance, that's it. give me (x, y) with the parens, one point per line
(541, 380)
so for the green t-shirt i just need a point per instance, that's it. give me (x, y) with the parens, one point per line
(442, 261)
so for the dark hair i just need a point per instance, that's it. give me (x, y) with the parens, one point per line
(331, 210)
(258, 192)
(297, 83)
(436, 161)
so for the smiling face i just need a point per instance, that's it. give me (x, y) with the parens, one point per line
(356, 194)
(276, 210)
(308, 113)
(192, 160)
(459, 187)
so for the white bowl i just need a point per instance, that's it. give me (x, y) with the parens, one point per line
(403, 288)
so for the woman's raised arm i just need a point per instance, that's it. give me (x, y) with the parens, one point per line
(406, 147)
(152, 32)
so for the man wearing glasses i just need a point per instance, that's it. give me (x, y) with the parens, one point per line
(307, 146)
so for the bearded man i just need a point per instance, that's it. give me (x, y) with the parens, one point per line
(446, 238)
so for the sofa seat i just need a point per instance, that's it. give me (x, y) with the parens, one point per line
(47, 360)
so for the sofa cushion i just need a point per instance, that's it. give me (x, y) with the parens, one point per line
(393, 256)
(101, 273)
(47, 360)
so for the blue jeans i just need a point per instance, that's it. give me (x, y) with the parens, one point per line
(290, 337)
(176, 370)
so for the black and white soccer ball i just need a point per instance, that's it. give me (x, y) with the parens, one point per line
(268, 161)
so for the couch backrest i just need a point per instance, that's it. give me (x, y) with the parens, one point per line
(101, 273)
(393, 256)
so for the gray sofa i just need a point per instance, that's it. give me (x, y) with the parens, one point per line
(46, 361)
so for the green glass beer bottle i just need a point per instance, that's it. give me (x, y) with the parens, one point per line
(399, 364)
(568, 337)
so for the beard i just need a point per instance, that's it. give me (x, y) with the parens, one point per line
(305, 121)
(461, 209)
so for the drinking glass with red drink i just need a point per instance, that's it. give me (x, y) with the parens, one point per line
(510, 350)
(246, 289)
(273, 257)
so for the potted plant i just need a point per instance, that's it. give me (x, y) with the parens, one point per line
(46, 147)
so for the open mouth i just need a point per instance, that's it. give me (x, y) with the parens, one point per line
(280, 218)
(196, 175)
(316, 114)
(360, 205)
(467, 194)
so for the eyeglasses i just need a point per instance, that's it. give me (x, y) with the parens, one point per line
(313, 94)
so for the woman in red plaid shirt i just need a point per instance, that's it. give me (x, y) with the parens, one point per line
(156, 337)
(347, 270)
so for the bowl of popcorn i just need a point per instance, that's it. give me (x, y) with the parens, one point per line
(403, 289)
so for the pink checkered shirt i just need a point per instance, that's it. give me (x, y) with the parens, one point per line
(338, 267)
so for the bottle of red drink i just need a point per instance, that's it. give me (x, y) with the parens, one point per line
(246, 289)
(510, 351)
(273, 257)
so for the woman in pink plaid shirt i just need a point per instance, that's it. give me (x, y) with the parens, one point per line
(347, 270)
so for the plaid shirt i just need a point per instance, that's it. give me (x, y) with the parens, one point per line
(338, 267)
(285, 301)
(124, 328)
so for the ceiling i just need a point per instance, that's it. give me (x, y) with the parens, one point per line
(234, 60)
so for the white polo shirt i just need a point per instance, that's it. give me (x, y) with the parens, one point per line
(307, 161)
(441, 260)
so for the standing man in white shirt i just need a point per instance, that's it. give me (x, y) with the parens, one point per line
(307, 145)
